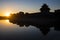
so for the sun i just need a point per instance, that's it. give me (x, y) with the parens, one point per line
(7, 14)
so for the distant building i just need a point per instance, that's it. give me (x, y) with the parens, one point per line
(57, 12)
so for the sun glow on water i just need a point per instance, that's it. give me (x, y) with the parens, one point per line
(7, 21)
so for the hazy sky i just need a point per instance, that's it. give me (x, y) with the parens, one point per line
(26, 5)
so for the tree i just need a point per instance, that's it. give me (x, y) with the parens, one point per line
(45, 8)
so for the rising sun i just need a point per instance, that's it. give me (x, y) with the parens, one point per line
(7, 14)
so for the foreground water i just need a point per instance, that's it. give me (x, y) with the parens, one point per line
(10, 31)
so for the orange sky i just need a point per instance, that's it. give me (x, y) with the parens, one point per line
(14, 6)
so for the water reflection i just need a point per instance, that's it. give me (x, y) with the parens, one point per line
(25, 31)
(43, 28)
(12, 31)
(7, 21)
(6, 25)
(4, 22)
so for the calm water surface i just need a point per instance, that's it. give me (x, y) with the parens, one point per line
(10, 31)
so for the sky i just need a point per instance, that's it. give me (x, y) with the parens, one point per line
(30, 6)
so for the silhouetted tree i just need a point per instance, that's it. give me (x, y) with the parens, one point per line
(42, 20)
(26, 13)
(45, 9)
(21, 13)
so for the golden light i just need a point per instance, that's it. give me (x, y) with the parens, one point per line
(7, 21)
(7, 14)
